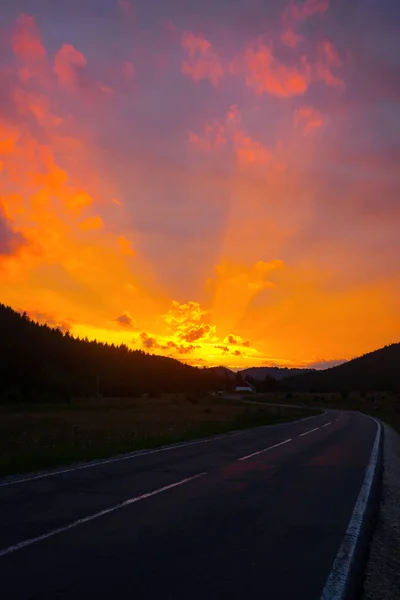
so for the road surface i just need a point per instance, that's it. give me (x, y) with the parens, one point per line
(256, 514)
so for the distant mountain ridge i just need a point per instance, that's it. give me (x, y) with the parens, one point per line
(278, 373)
(377, 370)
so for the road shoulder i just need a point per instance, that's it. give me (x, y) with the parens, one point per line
(382, 576)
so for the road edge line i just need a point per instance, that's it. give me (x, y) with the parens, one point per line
(347, 569)
(18, 478)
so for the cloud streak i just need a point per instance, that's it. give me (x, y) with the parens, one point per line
(196, 182)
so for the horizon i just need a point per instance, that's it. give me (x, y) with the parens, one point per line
(216, 184)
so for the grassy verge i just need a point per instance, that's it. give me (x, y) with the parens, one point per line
(388, 409)
(43, 436)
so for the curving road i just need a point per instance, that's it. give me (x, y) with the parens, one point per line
(258, 513)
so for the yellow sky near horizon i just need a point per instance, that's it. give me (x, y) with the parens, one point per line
(221, 202)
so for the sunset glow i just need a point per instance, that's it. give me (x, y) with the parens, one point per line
(219, 184)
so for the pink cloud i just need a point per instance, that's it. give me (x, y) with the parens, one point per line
(126, 9)
(294, 14)
(26, 42)
(213, 137)
(202, 61)
(290, 38)
(329, 59)
(128, 70)
(69, 64)
(308, 119)
(233, 116)
(250, 152)
(265, 74)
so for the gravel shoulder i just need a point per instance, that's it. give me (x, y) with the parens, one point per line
(382, 577)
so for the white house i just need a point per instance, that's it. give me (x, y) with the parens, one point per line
(245, 388)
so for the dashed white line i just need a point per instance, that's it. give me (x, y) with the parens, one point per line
(307, 432)
(265, 450)
(101, 513)
(326, 424)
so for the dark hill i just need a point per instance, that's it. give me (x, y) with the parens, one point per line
(378, 370)
(39, 363)
(278, 373)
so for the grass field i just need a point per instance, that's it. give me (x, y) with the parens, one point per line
(388, 409)
(41, 436)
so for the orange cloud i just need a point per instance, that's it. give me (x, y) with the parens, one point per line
(78, 200)
(308, 119)
(202, 61)
(235, 287)
(265, 74)
(26, 41)
(126, 246)
(37, 105)
(185, 322)
(10, 239)
(91, 223)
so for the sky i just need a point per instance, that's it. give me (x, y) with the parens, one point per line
(212, 181)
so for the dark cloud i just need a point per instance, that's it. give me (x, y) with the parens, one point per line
(126, 320)
(10, 240)
(150, 343)
(224, 349)
(196, 333)
(236, 340)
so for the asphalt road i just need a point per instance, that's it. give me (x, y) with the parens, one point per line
(255, 514)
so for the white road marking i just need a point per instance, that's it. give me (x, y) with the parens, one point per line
(101, 513)
(107, 461)
(265, 450)
(337, 584)
(326, 424)
(137, 454)
(307, 432)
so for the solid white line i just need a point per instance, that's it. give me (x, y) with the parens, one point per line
(337, 582)
(326, 424)
(307, 432)
(101, 513)
(265, 450)
(138, 454)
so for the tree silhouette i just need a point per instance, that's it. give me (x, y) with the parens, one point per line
(40, 363)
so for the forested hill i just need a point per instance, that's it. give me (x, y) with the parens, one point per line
(378, 370)
(278, 373)
(38, 362)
